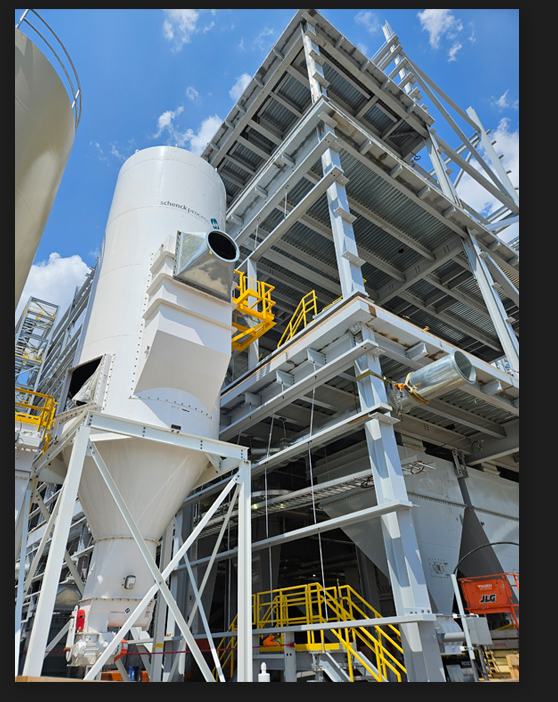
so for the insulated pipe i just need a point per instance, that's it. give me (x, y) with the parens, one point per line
(432, 380)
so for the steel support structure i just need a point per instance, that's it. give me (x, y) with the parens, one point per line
(224, 458)
(45, 606)
(422, 653)
(498, 315)
(495, 180)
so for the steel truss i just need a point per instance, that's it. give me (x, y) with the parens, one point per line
(262, 219)
(81, 436)
(32, 337)
(437, 284)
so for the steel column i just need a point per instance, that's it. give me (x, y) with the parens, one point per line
(254, 348)
(41, 625)
(440, 168)
(156, 668)
(244, 567)
(422, 653)
(24, 511)
(349, 262)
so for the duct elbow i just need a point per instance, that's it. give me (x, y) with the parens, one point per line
(206, 261)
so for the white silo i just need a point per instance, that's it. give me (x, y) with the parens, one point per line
(160, 319)
(46, 117)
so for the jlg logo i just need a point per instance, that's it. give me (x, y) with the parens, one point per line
(488, 598)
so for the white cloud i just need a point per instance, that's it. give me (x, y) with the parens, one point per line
(368, 20)
(165, 124)
(261, 42)
(437, 23)
(165, 120)
(194, 141)
(209, 126)
(100, 153)
(54, 281)
(115, 152)
(503, 102)
(180, 25)
(191, 93)
(453, 51)
(239, 87)
(507, 142)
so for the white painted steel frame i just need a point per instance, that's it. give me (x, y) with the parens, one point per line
(224, 456)
(421, 650)
(317, 84)
(21, 576)
(160, 583)
(45, 606)
(500, 319)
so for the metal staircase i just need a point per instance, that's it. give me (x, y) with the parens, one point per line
(343, 654)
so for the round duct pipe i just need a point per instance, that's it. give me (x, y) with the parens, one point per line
(433, 380)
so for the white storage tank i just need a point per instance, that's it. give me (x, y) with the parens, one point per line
(46, 117)
(155, 350)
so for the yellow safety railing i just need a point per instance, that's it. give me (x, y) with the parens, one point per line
(36, 409)
(306, 310)
(311, 604)
(252, 298)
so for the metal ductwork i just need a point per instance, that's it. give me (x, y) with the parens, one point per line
(423, 385)
(206, 261)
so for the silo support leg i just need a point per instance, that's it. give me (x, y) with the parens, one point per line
(159, 579)
(45, 606)
(165, 574)
(245, 671)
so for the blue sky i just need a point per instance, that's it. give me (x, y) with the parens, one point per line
(152, 77)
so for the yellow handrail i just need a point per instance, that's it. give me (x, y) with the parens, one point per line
(311, 603)
(306, 307)
(36, 409)
(253, 300)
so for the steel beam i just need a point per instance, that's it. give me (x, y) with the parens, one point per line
(43, 615)
(159, 578)
(21, 573)
(493, 156)
(349, 262)
(155, 573)
(498, 315)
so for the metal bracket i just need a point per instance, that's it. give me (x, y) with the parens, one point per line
(460, 465)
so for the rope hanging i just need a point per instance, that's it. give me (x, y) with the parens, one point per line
(314, 500)
(267, 518)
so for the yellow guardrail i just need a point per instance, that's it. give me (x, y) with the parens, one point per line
(36, 409)
(311, 604)
(253, 299)
(306, 310)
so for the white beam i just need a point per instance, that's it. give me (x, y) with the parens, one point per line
(45, 606)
